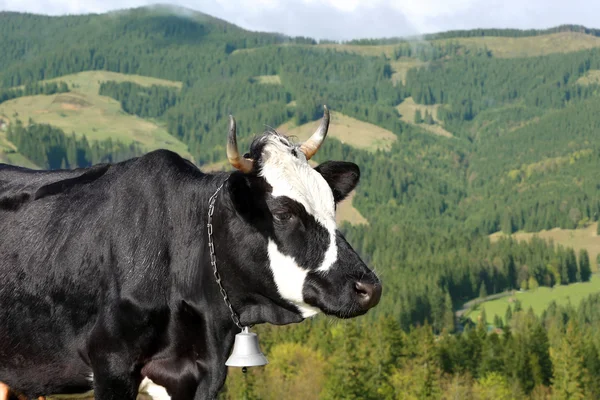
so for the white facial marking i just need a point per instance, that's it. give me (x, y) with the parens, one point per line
(293, 177)
(289, 278)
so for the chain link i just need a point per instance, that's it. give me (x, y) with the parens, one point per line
(213, 258)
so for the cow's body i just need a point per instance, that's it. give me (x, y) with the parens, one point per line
(77, 278)
(106, 276)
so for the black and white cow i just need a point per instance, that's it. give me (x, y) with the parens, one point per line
(106, 276)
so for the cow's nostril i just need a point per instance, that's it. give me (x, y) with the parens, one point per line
(362, 289)
(368, 294)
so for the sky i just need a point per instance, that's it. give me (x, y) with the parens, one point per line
(351, 19)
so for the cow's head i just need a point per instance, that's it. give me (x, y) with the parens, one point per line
(290, 207)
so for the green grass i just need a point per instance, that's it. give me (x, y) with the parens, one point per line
(97, 117)
(538, 299)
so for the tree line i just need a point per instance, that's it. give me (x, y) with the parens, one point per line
(32, 89)
(551, 356)
(50, 148)
(145, 102)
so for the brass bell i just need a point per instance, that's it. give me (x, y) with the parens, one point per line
(246, 351)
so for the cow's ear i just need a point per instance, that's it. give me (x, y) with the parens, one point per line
(341, 176)
(245, 196)
(241, 194)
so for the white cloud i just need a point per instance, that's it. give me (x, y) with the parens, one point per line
(345, 19)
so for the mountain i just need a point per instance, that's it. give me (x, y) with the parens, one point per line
(488, 139)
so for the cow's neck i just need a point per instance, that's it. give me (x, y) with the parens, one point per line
(250, 305)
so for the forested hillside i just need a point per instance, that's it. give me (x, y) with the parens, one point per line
(522, 151)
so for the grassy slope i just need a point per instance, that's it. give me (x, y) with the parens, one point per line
(401, 67)
(538, 299)
(407, 111)
(347, 213)
(351, 131)
(585, 238)
(85, 112)
(268, 79)
(591, 77)
(89, 81)
(8, 151)
(563, 42)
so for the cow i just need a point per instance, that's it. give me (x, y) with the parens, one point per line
(146, 269)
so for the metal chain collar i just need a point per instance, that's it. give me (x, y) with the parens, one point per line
(213, 258)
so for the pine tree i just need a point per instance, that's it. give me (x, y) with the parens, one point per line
(518, 306)
(429, 118)
(571, 265)
(511, 271)
(491, 355)
(508, 315)
(482, 321)
(449, 324)
(493, 386)
(540, 349)
(591, 360)
(569, 374)
(498, 321)
(482, 291)
(427, 372)
(418, 117)
(585, 271)
(507, 225)
(346, 367)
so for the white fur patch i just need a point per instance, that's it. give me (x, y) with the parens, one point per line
(289, 278)
(293, 177)
(155, 391)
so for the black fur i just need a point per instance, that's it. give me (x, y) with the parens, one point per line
(106, 270)
(341, 176)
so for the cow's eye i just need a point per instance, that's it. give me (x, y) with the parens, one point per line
(283, 216)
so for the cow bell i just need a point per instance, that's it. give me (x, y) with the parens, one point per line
(246, 351)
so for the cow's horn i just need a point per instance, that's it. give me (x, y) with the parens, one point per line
(233, 154)
(310, 147)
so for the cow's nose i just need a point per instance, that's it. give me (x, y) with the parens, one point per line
(368, 294)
